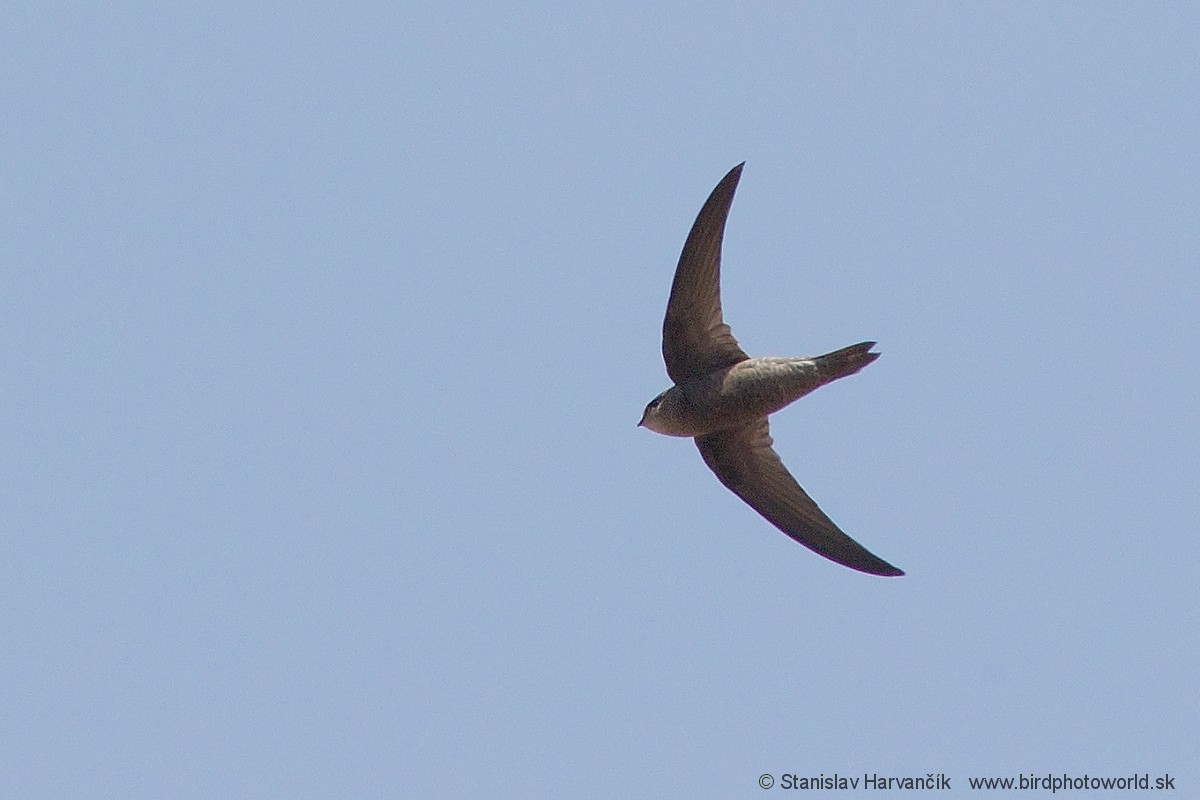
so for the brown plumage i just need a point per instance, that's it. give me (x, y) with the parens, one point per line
(722, 397)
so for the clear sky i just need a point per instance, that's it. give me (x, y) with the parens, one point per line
(326, 328)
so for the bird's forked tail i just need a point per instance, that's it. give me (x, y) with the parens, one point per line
(846, 361)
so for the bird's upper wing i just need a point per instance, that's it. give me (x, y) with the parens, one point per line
(745, 462)
(696, 341)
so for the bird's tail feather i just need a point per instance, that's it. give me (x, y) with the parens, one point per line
(846, 361)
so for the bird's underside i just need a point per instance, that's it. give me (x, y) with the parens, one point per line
(734, 439)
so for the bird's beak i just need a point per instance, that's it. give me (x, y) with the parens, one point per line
(639, 424)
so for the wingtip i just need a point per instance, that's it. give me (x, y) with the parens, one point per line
(871, 566)
(733, 176)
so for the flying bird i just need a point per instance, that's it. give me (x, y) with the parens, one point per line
(722, 397)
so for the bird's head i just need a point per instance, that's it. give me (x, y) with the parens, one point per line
(651, 410)
(654, 417)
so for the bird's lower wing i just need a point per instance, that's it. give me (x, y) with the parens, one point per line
(743, 459)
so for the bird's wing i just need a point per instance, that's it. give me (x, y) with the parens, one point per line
(745, 462)
(696, 341)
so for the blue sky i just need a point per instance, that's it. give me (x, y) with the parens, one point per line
(327, 327)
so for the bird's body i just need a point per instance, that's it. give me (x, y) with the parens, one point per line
(722, 397)
(741, 393)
